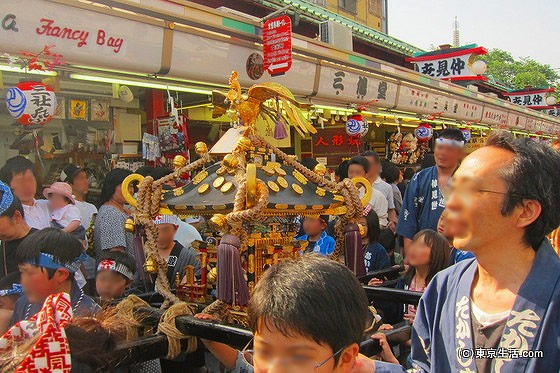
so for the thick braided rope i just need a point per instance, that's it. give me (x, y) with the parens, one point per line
(168, 327)
(239, 214)
(125, 310)
(148, 206)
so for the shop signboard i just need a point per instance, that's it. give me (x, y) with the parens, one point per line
(212, 60)
(423, 101)
(534, 99)
(474, 144)
(452, 64)
(516, 120)
(353, 87)
(277, 45)
(493, 116)
(80, 36)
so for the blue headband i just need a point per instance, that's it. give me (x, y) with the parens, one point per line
(48, 261)
(16, 289)
(7, 197)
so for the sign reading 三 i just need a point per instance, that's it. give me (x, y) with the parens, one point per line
(277, 45)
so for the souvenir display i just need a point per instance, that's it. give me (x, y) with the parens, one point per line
(403, 148)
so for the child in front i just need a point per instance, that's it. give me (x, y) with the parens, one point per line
(48, 261)
(307, 315)
(315, 234)
(115, 273)
(64, 213)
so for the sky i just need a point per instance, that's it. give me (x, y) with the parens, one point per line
(526, 28)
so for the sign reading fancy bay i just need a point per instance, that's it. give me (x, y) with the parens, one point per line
(277, 45)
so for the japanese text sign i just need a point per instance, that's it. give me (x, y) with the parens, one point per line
(277, 45)
(449, 64)
(532, 99)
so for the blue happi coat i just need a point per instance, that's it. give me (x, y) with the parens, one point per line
(423, 204)
(442, 330)
(324, 246)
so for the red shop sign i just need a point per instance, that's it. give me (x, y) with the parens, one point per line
(277, 45)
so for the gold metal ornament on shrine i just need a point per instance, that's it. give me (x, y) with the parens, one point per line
(129, 225)
(150, 266)
(179, 161)
(200, 148)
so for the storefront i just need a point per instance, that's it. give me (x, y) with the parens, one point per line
(122, 68)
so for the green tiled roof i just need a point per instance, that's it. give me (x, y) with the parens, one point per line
(318, 14)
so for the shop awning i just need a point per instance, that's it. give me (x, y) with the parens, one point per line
(202, 45)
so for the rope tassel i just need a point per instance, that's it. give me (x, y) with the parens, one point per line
(232, 286)
(353, 252)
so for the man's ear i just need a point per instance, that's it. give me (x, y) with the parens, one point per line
(530, 211)
(128, 283)
(348, 357)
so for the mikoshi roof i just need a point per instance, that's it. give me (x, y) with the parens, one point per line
(213, 190)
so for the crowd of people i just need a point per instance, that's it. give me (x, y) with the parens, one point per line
(497, 205)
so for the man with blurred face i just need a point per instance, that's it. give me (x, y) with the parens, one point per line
(423, 202)
(499, 311)
(176, 255)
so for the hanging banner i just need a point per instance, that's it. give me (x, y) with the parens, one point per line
(554, 111)
(277, 45)
(534, 98)
(451, 64)
(356, 88)
(81, 36)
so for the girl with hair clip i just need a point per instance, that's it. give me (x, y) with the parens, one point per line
(427, 255)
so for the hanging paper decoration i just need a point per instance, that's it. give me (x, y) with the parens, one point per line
(424, 132)
(466, 134)
(356, 126)
(31, 103)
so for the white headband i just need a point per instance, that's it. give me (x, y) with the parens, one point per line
(166, 219)
(110, 264)
(450, 142)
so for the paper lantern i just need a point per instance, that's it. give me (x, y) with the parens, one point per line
(356, 126)
(466, 134)
(479, 67)
(31, 103)
(424, 132)
(550, 100)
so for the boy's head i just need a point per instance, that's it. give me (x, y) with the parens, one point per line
(167, 226)
(115, 273)
(47, 260)
(307, 312)
(10, 291)
(11, 214)
(358, 167)
(315, 225)
(19, 174)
